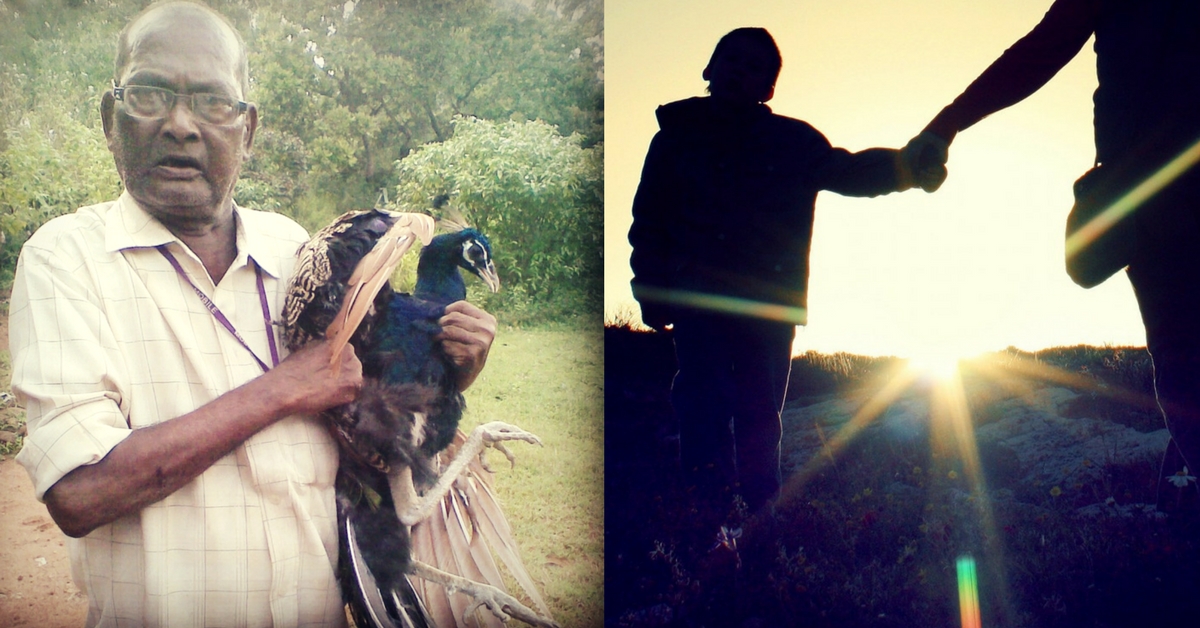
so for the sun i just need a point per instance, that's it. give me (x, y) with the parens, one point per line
(937, 365)
(940, 362)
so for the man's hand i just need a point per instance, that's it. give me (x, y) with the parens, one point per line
(467, 335)
(656, 317)
(924, 160)
(307, 373)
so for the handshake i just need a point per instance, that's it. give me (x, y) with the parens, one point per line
(922, 162)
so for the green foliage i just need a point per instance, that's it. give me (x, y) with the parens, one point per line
(537, 195)
(52, 165)
(361, 88)
(269, 179)
(54, 62)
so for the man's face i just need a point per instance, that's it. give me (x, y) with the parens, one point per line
(741, 73)
(179, 167)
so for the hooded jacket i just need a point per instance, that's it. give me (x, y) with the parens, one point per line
(726, 203)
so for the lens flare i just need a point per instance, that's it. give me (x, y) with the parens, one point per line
(968, 593)
(723, 304)
(1135, 197)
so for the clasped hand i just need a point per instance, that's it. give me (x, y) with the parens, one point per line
(924, 160)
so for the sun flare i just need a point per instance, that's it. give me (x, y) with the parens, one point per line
(940, 366)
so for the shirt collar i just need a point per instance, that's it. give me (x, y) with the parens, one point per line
(128, 226)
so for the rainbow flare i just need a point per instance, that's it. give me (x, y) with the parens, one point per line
(968, 593)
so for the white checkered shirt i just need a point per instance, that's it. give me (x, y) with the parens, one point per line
(106, 338)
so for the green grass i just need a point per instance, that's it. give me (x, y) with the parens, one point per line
(549, 382)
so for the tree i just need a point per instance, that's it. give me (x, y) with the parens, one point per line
(536, 194)
(53, 158)
(361, 85)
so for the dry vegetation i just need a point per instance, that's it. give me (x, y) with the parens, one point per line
(872, 539)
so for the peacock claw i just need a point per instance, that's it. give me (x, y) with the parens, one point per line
(495, 433)
(498, 431)
(505, 607)
(484, 463)
(501, 604)
(491, 435)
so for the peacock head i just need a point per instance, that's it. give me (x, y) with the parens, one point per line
(470, 251)
(477, 257)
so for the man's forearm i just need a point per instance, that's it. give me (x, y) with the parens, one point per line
(153, 462)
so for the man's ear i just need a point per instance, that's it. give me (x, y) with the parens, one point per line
(251, 127)
(107, 111)
(705, 73)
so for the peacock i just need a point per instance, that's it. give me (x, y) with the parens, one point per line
(412, 492)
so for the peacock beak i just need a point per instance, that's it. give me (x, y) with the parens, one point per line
(488, 274)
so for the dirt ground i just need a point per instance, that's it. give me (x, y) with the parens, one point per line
(36, 588)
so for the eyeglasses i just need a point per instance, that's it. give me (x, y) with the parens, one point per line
(154, 103)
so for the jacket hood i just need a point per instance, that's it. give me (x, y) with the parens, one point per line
(703, 111)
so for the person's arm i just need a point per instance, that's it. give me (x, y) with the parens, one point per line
(153, 462)
(1022, 69)
(649, 233)
(869, 172)
(467, 335)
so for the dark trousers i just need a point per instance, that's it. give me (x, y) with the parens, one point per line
(727, 395)
(1166, 279)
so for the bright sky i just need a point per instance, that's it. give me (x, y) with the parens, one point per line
(977, 266)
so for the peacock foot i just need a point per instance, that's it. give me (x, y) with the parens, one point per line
(493, 436)
(412, 511)
(501, 604)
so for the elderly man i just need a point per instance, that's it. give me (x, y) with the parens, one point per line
(165, 434)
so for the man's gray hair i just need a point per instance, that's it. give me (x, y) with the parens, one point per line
(196, 8)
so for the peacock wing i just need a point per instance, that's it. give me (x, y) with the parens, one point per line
(372, 272)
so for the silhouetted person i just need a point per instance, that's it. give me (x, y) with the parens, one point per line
(1147, 111)
(722, 224)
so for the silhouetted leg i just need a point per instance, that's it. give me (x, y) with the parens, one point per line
(1177, 386)
(760, 373)
(701, 397)
(1166, 280)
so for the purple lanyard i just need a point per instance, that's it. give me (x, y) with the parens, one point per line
(217, 314)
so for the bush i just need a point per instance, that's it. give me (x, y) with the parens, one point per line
(52, 165)
(537, 196)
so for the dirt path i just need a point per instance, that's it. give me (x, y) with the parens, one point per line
(36, 588)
